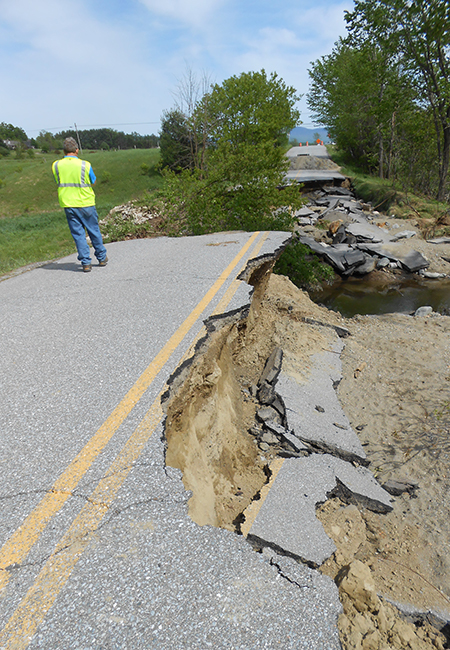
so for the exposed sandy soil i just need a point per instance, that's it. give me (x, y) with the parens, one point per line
(211, 410)
(395, 391)
(312, 162)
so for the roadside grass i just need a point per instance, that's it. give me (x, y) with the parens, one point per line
(27, 185)
(433, 217)
(33, 238)
(33, 227)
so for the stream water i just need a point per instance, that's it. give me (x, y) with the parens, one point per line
(374, 296)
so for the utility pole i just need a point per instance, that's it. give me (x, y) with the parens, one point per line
(78, 138)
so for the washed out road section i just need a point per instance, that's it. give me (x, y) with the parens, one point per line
(30, 300)
(121, 564)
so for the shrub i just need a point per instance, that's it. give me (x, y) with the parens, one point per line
(303, 267)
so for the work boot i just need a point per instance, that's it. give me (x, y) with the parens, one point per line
(103, 262)
(87, 268)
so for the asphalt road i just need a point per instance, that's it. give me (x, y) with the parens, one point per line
(97, 550)
(307, 175)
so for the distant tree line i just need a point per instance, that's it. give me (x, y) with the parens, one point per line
(90, 139)
(384, 91)
(97, 139)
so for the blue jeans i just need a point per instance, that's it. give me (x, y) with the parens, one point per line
(80, 219)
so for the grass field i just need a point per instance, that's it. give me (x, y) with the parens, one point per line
(33, 226)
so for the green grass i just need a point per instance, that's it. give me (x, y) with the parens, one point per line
(33, 238)
(33, 227)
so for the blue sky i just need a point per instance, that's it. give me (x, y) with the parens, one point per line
(118, 63)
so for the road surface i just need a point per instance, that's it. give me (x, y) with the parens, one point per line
(97, 550)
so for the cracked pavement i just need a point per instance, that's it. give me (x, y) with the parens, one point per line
(97, 548)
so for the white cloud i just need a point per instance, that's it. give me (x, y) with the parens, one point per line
(68, 66)
(195, 13)
(69, 60)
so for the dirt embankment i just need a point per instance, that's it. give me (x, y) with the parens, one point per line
(395, 390)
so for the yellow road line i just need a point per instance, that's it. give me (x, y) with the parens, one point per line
(237, 283)
(40, 597)
(15, 550)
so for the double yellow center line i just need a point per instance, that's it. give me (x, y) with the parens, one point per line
(56, 571)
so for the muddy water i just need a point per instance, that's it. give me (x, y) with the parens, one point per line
(373, 295)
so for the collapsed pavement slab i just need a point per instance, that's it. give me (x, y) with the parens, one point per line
(367, 232)
(284, 516)
(358, 232)
(326, 428)
(287, 522)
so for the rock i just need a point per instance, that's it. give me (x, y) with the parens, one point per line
(269, 438)
(396, 487)
(320, 409)
(365, 232)
(439, 240)
(403, 635)
(368, 266)
(275, 428)
(292, 442)
(342, 332)
(333, 215)
(304, 212)
(354, 257)
(356, 581)
(431, 276)
(266, 393)
(423, 311)
(405, 234)
(267, 414)
(339, 235)
(382, 263)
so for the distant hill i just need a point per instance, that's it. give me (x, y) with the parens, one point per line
(302, 134)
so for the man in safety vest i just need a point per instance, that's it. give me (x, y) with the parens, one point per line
(75, 179)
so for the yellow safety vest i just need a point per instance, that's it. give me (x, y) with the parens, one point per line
(74, 185)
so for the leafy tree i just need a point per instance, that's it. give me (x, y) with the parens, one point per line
(360, 97)
(416, 35)
(175, 141)
(240, 165)
(11, 132)
(46, 141)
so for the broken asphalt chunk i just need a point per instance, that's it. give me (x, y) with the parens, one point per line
(316, 430)
(287, 519)
(396, 487)
(272, 367)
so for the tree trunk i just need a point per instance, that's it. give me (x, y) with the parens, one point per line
(391, 147)
(381, 158)
(443, 167)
